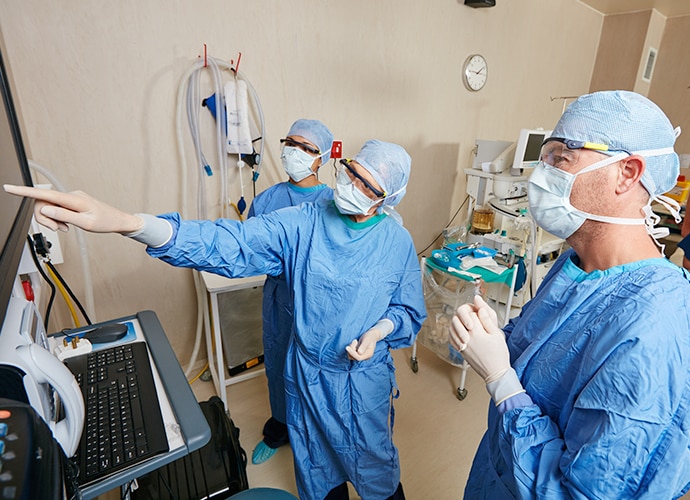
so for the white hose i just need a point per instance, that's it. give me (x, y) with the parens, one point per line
(81, 241)
(191, 81)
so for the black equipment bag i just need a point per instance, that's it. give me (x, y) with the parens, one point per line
(217, 470)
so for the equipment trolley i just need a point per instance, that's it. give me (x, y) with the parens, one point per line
(445, 289)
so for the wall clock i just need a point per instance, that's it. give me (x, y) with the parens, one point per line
(475, 72)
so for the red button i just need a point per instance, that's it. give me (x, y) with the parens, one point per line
(5, 414)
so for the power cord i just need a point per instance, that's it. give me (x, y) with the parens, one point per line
(39, 245)
(69, 291)
(446, 226)
(45, 277)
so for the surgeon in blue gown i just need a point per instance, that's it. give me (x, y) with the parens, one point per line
(305, 148)
(591, 383)
(357, 294)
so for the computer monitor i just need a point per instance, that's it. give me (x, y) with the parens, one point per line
(15, 211)
(528, 148)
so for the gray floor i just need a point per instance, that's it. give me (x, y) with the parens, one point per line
(435, 432)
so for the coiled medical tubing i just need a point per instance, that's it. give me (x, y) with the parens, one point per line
(191, 81)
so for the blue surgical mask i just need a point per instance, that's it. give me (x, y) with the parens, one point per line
(297, 163)
(348, 198)
(549, 191)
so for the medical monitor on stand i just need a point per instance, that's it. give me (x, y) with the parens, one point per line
(527, 149)
(16, 211)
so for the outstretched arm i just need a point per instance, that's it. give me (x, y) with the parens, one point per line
(56, 210)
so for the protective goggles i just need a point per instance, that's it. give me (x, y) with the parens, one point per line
(565, 153)
(307, 148)
(378, 193)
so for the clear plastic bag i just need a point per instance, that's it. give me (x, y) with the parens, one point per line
(443, 294)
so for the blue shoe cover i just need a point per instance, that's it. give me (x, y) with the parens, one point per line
(262, 452)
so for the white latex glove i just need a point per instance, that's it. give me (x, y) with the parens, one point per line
(474, 331)
(55, 210)
(364, 348)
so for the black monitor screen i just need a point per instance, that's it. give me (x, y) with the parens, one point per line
(15, 212)
(533, 148)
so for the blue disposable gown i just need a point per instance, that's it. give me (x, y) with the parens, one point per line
(605, 357)
(277, 296)
(345, 277)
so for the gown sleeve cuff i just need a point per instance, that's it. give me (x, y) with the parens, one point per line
(155, 233)
(520, 400)
(505, 387)
(385, 326)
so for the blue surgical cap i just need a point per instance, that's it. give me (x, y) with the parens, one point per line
(315, 132)
(625, 121)
(390, 165)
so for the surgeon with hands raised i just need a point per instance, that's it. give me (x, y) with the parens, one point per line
(475, 333)
(591, 382)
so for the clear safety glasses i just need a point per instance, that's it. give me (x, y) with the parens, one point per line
(565, 153)
(307, 148)
(356, 177)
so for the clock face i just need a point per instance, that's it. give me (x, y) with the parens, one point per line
(475, 72)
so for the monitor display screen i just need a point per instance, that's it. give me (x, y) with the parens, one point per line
(533, 147)
(16, 212)
(528, 148)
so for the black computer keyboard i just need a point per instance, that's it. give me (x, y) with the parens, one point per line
(123, 424)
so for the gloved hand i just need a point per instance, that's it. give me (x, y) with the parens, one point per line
(475, 333)
(55, 210)
(364, 348)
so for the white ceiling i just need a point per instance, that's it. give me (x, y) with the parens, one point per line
(667, 8)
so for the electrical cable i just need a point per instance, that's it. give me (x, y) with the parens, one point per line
(446, 226)
(196, 377)
(63, 292)
(47, 280)
(237, 210)
(69, 290)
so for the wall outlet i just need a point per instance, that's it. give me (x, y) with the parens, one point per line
(56, 256)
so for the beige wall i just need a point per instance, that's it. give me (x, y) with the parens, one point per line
(618, 55)
(622, 56)
(97, 84)
(670, 86)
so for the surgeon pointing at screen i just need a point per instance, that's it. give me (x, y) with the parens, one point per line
(357, 294)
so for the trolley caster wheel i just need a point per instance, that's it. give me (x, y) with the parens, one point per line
(461, 394)
(206, 376)
(415, 365)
